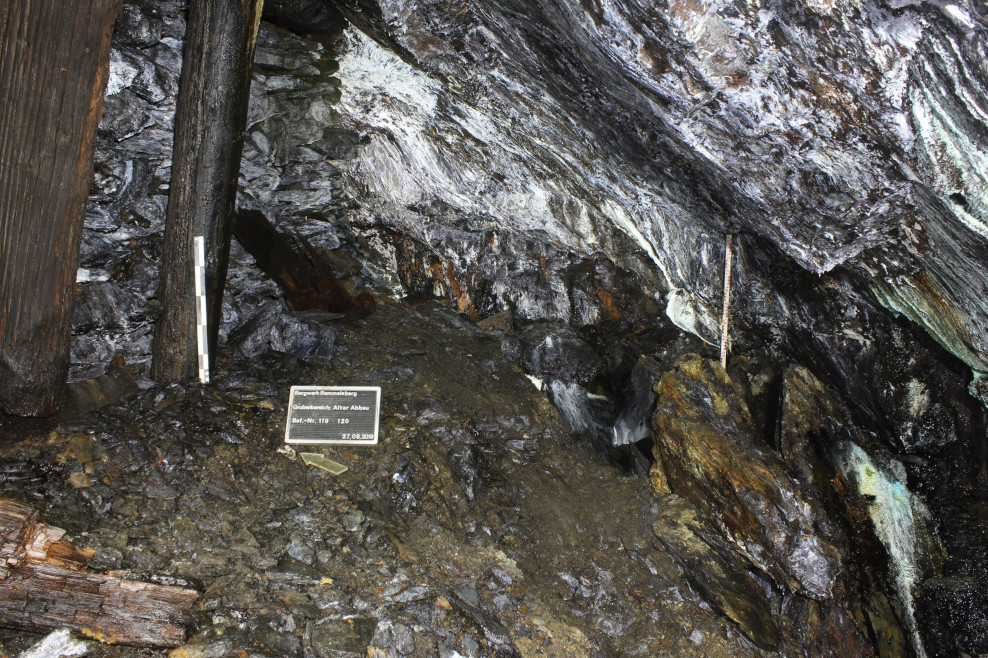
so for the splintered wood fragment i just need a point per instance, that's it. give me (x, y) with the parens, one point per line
(45, 585)
(23, 538)
(306, 285)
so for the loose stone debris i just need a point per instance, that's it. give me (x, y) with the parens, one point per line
(477, 527)
(487, 523)
(57, 644)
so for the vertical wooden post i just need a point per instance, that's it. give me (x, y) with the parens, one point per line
(210, 119)
(54, 63)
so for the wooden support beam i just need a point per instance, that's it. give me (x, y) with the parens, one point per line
(210, 119)
(45, 585)
(54, 63)
(306, 285)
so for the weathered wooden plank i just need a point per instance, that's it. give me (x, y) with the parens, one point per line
(54, 59)
(44, 585)
(42, 598)
(210, 119)
(306, 286)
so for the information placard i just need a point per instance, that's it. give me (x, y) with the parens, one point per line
(334, 415)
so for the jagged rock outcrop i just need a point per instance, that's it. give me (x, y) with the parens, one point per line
(707, 445)
(578, 164)
(872, 512)
(785, 512)
(850, 136)
(716, 570)
(482, 153)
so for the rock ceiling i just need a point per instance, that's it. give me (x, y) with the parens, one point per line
(852, 136)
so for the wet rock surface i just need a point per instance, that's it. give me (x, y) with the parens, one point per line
(849, 137)
(706, 443)
(951, 611)
(923, 537)
(855, 501)
(573, 203)
(476, 527)
(285, 172)
(716, 570)
(815, 434)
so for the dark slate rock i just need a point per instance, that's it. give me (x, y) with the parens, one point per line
(102, 304)
(285, 61)
(294, 572)
(86, 396)
(168, 58)
(862, 488)
(391, 638)
(134, 27)
(304, 16)
(811, 422)
(339, 143)
(953, 616)
(124, 115)
(150, 83)
(274, 328)
(20, 473)
(714, 144)
(274, 632)
(487, 623)
(558, 352)
(214, 642)
(347, 636)
(102, 220)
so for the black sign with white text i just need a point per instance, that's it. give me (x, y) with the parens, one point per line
(333, 414)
